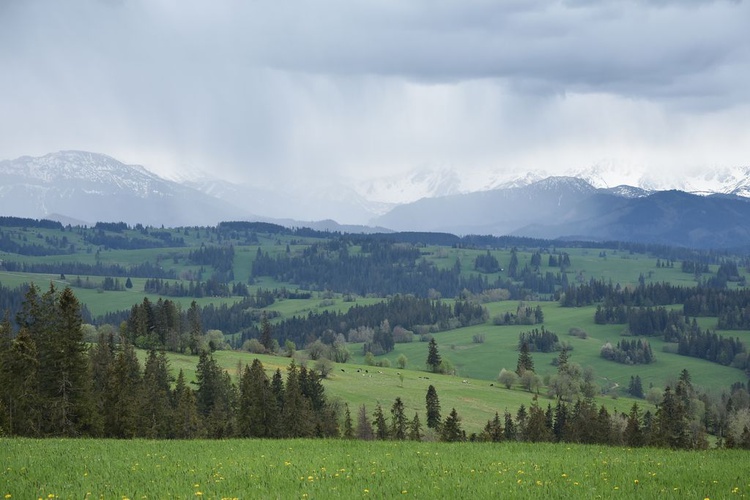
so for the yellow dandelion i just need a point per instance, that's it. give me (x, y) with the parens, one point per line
(404, 492)
(635, 482)
(367, 491)
(8, 495)
(198, 493)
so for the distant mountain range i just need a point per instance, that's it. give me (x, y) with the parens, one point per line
(82, 187)
(570, 208)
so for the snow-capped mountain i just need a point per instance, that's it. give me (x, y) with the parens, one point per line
(95, 187)
(721, 180)
(624, 179)
(424, 183)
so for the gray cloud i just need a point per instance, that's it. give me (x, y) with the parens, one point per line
(259, 89)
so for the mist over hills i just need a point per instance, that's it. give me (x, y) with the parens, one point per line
(82, 187)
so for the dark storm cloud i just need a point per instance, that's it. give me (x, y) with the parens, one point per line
(291, 86)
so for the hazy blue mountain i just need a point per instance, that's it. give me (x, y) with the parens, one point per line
(569, 208)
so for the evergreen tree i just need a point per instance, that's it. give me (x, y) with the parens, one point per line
(525, 363)
(296, 415)
(415, 428)
(122, 395)
(451, 429)
(156, 410)
(70, 404)
(266, 336)
(364, 427)
(433, 408)
(509, 427)
(635, 388)
(398, 420)
(348, 425)
(433, 357)
(258, 410)
(379, 423)
(19, 407)
(670, 426)
(561, 421)
(195, 332)
(633, 434)
(513, 265)
(187, 423)
(493, 431)
(535, 429)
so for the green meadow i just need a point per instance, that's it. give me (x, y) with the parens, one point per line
(315, 469)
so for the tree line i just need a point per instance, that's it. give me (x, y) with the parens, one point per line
(52, 384)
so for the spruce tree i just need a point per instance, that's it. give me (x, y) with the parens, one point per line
(296, 415)
(156, 416)
(525, 363)
(398, 420)
(19, 397)
(364, 426)
(451, 429)
(258, 409)
(633, 434)
(433, 357)
(415, 428)
(266, 336)
(379, 423)
(348, 425)
(433, 408)
(187, 423)
(493, 431)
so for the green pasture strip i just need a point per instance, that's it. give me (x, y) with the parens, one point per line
(475, 400)
(312, 469)
(499, 350)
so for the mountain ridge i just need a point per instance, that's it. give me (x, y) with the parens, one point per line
(84, 186)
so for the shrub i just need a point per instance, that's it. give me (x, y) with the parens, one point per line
(254, 346)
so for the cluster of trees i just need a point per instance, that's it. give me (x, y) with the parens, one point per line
(220, 258)
(635, 387)
(411, 313)
(629, 352)
(384, 267)
(17, 242)
(213, 287)
(713, 347)
(487, 263)
(108, 284)
(142, 270)
(539, 340)
(524, 315)
(694, 267)
(109, 241)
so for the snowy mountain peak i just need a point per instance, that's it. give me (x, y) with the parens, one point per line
(84, 170)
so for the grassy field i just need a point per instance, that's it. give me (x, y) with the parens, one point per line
(308, 469)
(475, 400)
(499, 350)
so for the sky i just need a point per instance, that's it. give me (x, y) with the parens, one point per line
(268, 92)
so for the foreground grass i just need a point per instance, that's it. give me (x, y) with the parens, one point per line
(306, 469)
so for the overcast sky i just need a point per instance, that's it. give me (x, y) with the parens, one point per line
(281, 89)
